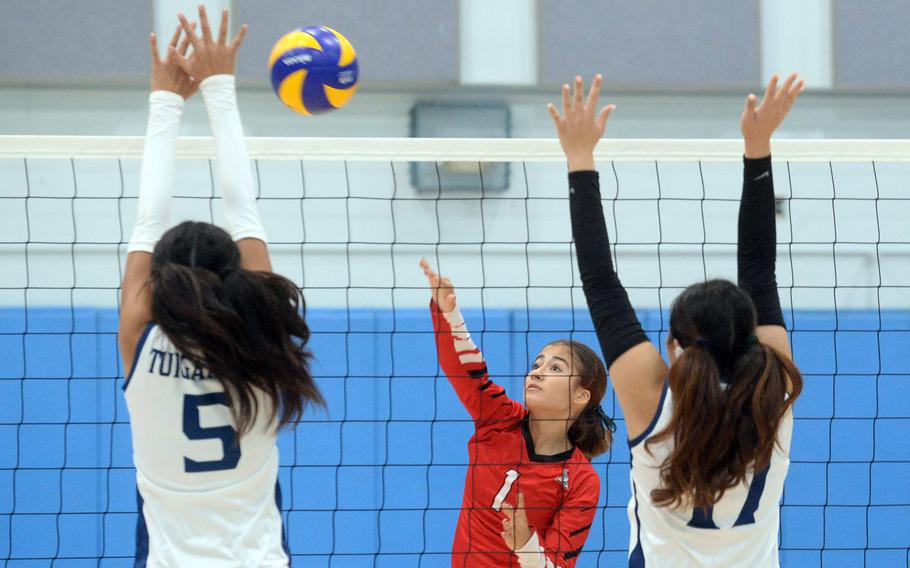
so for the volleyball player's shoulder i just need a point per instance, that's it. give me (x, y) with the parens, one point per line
(585, 479)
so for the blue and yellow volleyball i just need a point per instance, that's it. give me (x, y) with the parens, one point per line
(313, 70)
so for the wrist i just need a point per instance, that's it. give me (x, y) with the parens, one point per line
(760, 148)
(165, 96)
(217, 80)
(581, 162)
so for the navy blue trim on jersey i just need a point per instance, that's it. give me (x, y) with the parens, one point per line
(139, 346)
(637, 555)
(702, 519)
(142, 535)
(284, 534)
(660, 408)
(747, 514)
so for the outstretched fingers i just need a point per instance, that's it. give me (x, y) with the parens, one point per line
(175, 37)
(223, 28)
(554, 114)
(579, 91)
(604, 115)
(794, 92)
(238, 39)
(204, 23)
(594, 93)
(751, 103)
(788, 84)
(184, 46)
(182, 60)
(189, 30)
(771, 89)
(153, 49)
(432, 278)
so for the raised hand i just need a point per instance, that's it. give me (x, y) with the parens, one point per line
(515, 530)
(580, 127)
(167, 75)
(210, 56)
(759, 121)
(443, 291)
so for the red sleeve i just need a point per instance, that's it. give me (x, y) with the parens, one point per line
(464, 365)
(561, 544)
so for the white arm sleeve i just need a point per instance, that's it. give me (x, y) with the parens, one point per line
(156, 177)
(531, 554)
(233, 160)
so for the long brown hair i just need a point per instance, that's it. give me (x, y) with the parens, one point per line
(730, 393)
(588, 432)
(246, 328)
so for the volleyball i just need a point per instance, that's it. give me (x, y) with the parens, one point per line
(313, 70)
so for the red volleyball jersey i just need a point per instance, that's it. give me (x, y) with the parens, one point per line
(561, 491)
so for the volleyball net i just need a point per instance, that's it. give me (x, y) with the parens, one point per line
(377, 478)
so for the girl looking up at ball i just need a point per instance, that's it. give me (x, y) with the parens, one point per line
(213, 343)
(710, 433)
(530, 494)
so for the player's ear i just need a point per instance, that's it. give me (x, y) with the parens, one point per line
(674, 350)
(582, 395)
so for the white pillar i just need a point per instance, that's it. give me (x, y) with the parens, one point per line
(498, 42)
(164, 13)
(798, 36)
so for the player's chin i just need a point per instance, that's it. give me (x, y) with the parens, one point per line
(535, 396)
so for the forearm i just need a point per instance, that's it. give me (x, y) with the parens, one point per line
(156, 178)
(756, 251)
(461, 338)
(233, 160)
(617, 326)
(464, 366)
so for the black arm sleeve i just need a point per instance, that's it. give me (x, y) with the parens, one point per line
(756, 251)
(617, 326)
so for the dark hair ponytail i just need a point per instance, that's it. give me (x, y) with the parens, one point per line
(246, 328)
(592, 430)
(730, 393)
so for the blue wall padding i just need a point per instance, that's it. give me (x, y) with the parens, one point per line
(381, 471)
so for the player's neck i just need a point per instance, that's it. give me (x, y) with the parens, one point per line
(549, 436)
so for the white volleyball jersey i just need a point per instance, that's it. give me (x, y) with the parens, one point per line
(740, 530)
(204, 500)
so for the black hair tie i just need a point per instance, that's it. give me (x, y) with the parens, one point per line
(608, 422)
(743, 346)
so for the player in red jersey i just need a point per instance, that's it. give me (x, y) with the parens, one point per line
(530, 494)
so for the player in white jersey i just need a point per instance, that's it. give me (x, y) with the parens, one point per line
(710, 433)
(213, 343)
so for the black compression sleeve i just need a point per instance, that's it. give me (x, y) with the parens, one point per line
(618, 329)
(756, 251)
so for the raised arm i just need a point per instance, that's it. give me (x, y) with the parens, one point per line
(170, 86)
(636, 367)
(756, 251)
(212, 63)
(463, 363)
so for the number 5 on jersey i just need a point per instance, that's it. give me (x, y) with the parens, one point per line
(194, 431)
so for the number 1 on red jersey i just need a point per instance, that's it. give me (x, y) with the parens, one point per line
(511, 477)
